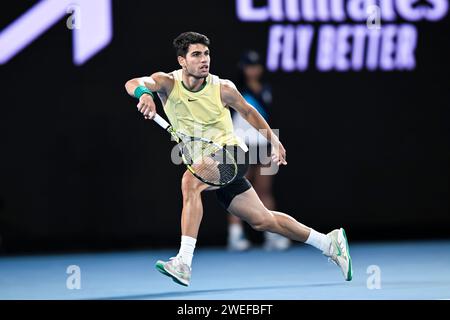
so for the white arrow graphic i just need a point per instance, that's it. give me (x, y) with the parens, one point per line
(93, 36)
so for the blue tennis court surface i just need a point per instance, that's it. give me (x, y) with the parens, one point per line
(408, 270)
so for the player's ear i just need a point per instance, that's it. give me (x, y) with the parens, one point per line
(182, 61)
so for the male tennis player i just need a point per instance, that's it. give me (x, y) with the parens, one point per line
(191, 96)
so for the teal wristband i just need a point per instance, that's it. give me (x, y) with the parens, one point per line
(139, 91)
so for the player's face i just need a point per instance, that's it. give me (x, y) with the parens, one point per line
(197, 60)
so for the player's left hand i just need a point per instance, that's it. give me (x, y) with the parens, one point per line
(279, 154)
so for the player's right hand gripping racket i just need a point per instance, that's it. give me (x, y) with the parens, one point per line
(205, 159)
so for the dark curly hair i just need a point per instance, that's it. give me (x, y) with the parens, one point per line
(182, 42)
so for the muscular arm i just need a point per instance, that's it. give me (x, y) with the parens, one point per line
(160, 82)
(232, 97)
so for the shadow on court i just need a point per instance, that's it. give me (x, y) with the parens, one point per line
(193, 293)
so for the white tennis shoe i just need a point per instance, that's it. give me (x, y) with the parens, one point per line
(175, 268)
(339, 252)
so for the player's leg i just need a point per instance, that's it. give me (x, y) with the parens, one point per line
(179, 267)
(192, 213)
(249, 208)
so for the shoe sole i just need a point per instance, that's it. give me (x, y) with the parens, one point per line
(350, 270)
(160, 267)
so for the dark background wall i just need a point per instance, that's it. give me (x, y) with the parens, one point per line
(81, 169)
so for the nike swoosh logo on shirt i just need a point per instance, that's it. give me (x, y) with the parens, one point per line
(190, 100)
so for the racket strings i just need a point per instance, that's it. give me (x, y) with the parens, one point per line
(210, 162)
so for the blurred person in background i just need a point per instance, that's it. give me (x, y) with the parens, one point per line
(258, 94)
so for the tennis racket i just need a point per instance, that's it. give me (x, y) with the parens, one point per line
(206, 160)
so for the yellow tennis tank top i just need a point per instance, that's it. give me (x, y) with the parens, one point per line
(201, 113)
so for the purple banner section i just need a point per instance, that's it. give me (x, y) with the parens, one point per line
(94, 31)
(342, 35)
(339, 10)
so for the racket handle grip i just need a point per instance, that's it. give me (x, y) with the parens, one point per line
(159, 120)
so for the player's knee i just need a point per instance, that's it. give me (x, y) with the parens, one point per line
(190, 184)
(187, 183)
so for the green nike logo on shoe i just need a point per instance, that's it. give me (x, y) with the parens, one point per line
(339, 254)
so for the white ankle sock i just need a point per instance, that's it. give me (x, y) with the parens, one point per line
(319, 241)
(187, 249)
(235, 231)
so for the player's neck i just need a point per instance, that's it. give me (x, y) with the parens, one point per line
(192, 83)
